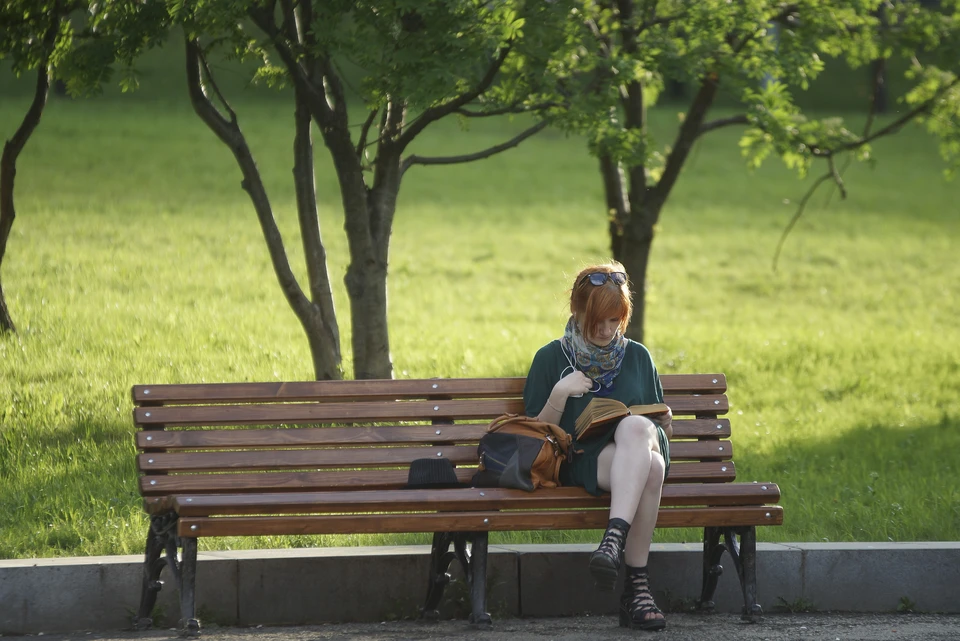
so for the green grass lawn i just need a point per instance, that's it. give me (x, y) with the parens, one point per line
(136, 258)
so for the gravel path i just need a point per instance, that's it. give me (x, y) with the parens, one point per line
(681, 627)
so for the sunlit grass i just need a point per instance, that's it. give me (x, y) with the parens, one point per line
(137, 258)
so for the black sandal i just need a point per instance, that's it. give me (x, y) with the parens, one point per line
(637, 604)
(605, 561)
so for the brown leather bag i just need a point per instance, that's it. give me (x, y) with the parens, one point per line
(522, 453)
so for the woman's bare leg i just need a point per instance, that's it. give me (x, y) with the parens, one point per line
(635, 480)
(624, 466)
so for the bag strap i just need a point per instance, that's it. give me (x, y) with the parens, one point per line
(554, 433)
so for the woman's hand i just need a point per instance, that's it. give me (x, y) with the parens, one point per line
(666, 422)
(576, 383)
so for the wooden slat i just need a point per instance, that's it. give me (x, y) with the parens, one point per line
(384, 435)
(324, 412)
(311, 436)
(458, 500)
(693, 383)
(469, 522)
(202, 393)
(302, 459)
(363, 457)
(271, 414)
(701, 428)
(160, 485)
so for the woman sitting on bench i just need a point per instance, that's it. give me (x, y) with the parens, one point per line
(631, 458)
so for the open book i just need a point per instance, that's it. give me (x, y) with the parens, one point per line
(601, 411)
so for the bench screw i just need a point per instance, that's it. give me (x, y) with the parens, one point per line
(435, 386)
(483, 494)
(716, 402)
(767, 515)
(153, 482)
(149, 438)
(723, 469)
(147, 414)
(438, 432)
(436, 407)
(146, 391)
(194, 527)
(439, 453)
(763, 487)
(485, 521)
(721, 448)
(719, 426)
(149, 460)
(189, 500)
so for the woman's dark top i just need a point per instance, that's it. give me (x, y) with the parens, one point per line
(637, 384)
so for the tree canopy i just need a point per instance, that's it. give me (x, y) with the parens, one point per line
(371, 75)
(619, 54)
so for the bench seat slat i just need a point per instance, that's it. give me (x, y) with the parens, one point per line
(212, 415)
(382, 435)
(161, 485)
(586, 519)
(364, 457)
(459, 499)
(203, 393)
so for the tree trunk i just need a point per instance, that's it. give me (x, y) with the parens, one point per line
(635, 256)
(8, 174)
(318, 318)
(616, 199)
(368, 221)
(366, 282)
(324, 345)
(366, 277)
(322, 332)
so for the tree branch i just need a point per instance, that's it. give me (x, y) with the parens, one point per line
(409, 161)
(796, 216)
(230, 134)
(319, 105)
(686, 135)
(891, 128)
(509, 109)
(213, 83)
(739, 119)
(11, 151)
(871, 115)
(365, 131)
(653, 21)
(432, 114)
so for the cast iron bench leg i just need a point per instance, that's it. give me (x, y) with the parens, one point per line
(477, 576)
(160, 529)
(743, 553)
(189, 625)
(474, 565)
(440, 559)
(747, 571)
(712, 552)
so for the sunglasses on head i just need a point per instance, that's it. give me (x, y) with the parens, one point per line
(599, 278)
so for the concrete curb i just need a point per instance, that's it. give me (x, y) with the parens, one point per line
(307, 586)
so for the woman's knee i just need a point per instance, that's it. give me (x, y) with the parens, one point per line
(637, 431)
(658, 469)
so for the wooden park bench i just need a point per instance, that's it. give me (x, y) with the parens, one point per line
(332, 457)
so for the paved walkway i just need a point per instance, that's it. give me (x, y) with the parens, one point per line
(682, 627)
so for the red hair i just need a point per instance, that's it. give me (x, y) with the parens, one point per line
(591, 304)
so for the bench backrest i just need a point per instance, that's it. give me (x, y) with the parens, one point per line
(340, 435)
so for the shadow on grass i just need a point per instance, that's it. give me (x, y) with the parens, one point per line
(881, 482)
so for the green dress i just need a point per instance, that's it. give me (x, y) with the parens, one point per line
(637, 384)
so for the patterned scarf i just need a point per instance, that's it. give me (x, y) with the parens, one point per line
(602, 364)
